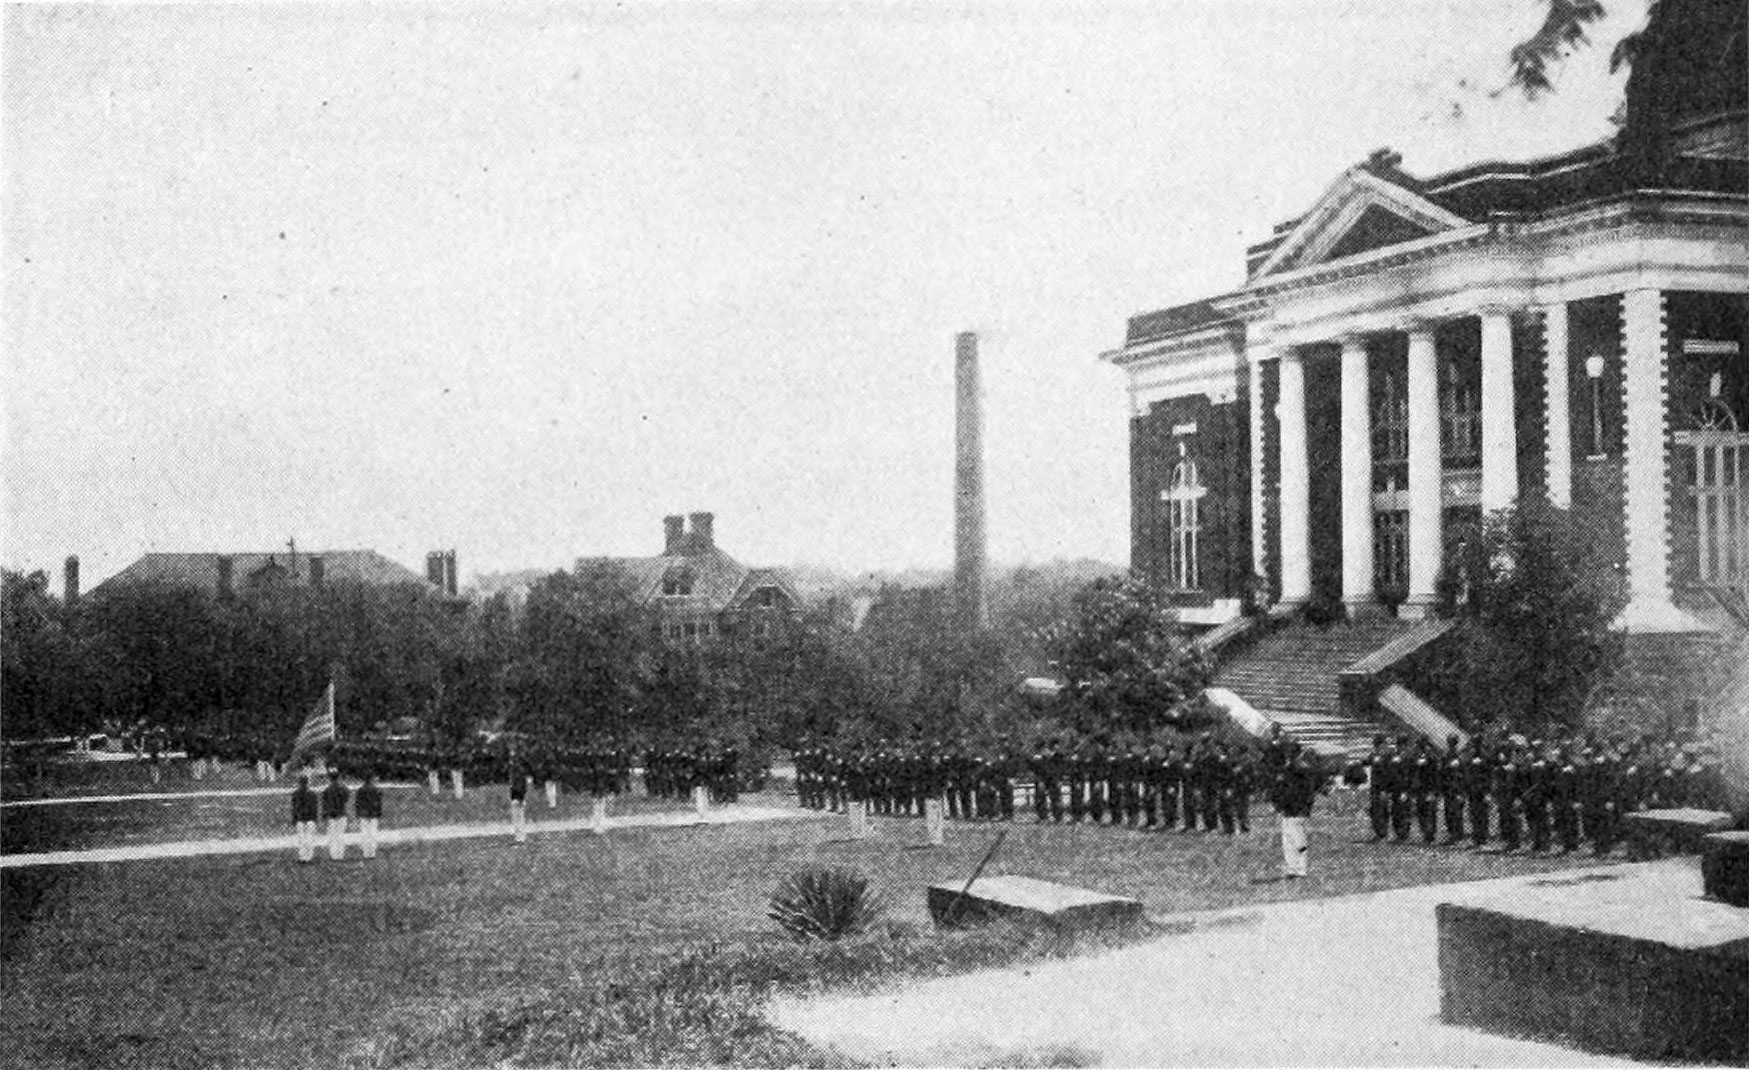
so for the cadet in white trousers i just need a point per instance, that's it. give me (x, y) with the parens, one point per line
(334, 809)
(1295, 791)
(519, 803)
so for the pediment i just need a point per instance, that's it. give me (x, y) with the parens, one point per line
(1360, 212)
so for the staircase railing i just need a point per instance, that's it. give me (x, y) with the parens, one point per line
(1212, 642)
(1362, 683)
(1414, 713)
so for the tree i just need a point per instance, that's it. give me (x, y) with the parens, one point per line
(1535, 636)
(1124, 664)
(38, 660)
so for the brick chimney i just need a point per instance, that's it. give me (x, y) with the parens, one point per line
(434, 569)
(703, 538)
(673, 533)
(70, 580)
(972, 604)
(449, 574)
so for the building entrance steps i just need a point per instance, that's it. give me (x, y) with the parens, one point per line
(1291, 675)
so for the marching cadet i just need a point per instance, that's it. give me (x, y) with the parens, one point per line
(1402, 776)
(306, 811)
(1478, 785)
(1043, 784)
(1244, 782)
(1378, 791)
(1424, 790)
(518, 779)
(1538, 785)
(1007, 771)
(1213, 777)
(1189, 786)
(334, 810)
(1075, 765)
(367, 806)
(1166, 775)
(1596, 799)
(1511, 772)
(1132, 770)
(1453, 767)
(1564, 799)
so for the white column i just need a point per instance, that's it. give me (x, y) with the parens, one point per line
(1296, 525)
(1357, 549)
(1646, 469)
(1426, 477)
(1259, 551)
(1499, 430)
(1559, 417)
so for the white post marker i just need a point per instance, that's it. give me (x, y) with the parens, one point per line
(935, 816)
(519, 820)
(433, 782)
(337, 838)
(859, 824)
(700, 800)
(598, 815)
(306, 841)
(455, 782)
(367, 827)
(552, 795)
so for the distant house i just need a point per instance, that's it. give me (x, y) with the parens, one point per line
(698, 592)
(226, 574)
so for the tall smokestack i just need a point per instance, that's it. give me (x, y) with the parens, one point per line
(971, 602)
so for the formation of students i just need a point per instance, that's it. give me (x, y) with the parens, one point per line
(1207, 784)
(679, 773)
(1537, 794)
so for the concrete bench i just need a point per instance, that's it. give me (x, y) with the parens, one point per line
(1028, 899)
(1651, 833)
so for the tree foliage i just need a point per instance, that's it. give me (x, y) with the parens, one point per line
(1125, 665)
(1534, 637)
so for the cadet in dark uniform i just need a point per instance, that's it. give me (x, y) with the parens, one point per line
(517, 776)
(1378, 788)
(1402, 774)
(1452, 772)
(1424, 790)
(306, 811)
(1564, 800)
(1510, 776)
(1243, 779)
(1478, 781)
(1538, 787)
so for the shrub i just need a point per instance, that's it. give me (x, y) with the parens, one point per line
(823, 904)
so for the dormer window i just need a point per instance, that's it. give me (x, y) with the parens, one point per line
(677, 582)
(766, 598)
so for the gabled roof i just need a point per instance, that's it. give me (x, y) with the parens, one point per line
(200, 571)
(1359, 211)
(719, 582)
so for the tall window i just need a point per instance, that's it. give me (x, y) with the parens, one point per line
(1390, 432)
(1183, 500)
(1391, 553)
(1460, 419)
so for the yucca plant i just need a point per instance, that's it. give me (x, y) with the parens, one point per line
(823, 904)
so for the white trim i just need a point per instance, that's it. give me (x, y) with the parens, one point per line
(1222, 611)
(1342, 203)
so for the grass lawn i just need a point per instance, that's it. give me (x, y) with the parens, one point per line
(646, 946)
(138, 821)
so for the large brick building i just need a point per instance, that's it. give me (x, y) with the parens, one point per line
(224, 574)
(697, 591)
(1413, 351)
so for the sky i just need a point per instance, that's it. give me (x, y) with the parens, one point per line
(521, 280)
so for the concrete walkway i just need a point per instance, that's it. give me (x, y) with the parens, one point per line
(1352, 981)
(389, 837)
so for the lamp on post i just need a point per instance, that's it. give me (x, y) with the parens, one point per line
(1594, 372)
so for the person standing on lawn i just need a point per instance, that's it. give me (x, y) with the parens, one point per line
(1295, 790)
(306, 810)
(334, 810)
(518, 800)
(367, 806)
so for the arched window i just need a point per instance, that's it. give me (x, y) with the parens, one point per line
(1183, 499)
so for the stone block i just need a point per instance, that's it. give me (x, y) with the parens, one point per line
(1672, 831)
(1724, 867)
(1636, 965)
(1027, 899)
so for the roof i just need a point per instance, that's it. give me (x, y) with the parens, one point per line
(719, 582)
(201, 570)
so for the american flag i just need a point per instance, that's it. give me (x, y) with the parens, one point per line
(318, 727)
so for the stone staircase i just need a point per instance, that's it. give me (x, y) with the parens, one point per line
(1290, 675)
